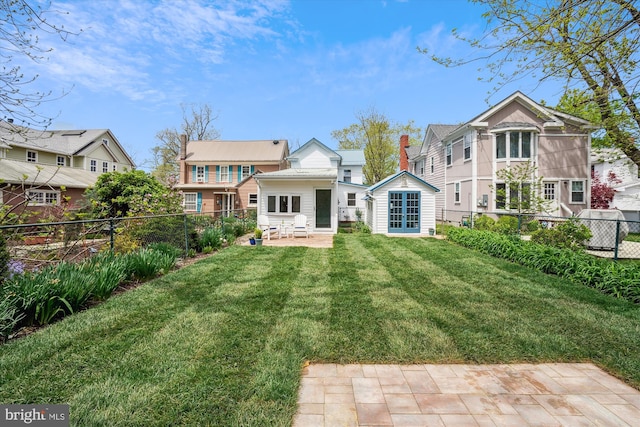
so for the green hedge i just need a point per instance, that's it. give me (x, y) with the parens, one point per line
(621, 280)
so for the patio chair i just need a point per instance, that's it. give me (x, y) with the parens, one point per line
(263, 224)
(300, 226)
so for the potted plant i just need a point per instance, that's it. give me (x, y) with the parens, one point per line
(258, 233)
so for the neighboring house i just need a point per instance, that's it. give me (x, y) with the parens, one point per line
(218, 176)
(350, 185)
(323, 184)
(401, 203)
(462, 160)
(55, 166)
(627, 196)
(428, 161)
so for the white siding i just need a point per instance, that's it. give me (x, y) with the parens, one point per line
(306, 190)
(380, 214)
(357, 177)
(348, 213)
(316, 159)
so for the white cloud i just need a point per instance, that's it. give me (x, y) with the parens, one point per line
(123, 44)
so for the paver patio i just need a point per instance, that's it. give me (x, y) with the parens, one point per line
(315, 240)
(550, 394)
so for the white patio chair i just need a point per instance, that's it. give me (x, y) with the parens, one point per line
(300, 226)
(263, 224)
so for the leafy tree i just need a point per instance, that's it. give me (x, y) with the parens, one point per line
(196, 124)
(593, 45)
(23, 25)
(522, 189)
(118, 194)
(580, 103)
(602, 192)
(379, 138)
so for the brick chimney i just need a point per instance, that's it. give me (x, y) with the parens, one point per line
(183, 147)
(404, 159)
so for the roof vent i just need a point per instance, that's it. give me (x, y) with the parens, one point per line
(276, 142)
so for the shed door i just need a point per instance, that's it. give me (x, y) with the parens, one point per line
(404, 212)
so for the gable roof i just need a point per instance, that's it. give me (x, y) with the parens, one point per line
(351, 157)
(399, 175)
(439, 132)
(68, 142)
(236, 151)
(412, 151)
(331, 154)
(553, 118)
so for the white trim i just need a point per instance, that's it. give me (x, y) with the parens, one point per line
(32, 152)
(584, 192)
(42, 195)
(195, 202)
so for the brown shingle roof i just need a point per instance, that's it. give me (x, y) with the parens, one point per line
(258, 151)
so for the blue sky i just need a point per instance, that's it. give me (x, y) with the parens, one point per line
(294, 70)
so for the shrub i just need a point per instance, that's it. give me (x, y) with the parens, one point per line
(124, 243)
(506, 224)
(532, 226)
(571, 234)
(483, 222)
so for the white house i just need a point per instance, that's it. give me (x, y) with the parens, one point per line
(627, 196)
(321, 184)
(401, 203)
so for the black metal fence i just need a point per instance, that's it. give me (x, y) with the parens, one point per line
(610, 238)
(32, 246)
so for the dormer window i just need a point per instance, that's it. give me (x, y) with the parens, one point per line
(32, 156)
(60, 161)
(347, 175)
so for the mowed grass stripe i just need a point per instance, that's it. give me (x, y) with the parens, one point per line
(517, 314)
(300, 329)
(222, 342)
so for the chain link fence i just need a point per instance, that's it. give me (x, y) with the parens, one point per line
(610, 238)
(34, 246)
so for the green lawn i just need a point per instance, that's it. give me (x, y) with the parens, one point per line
(222, 342)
